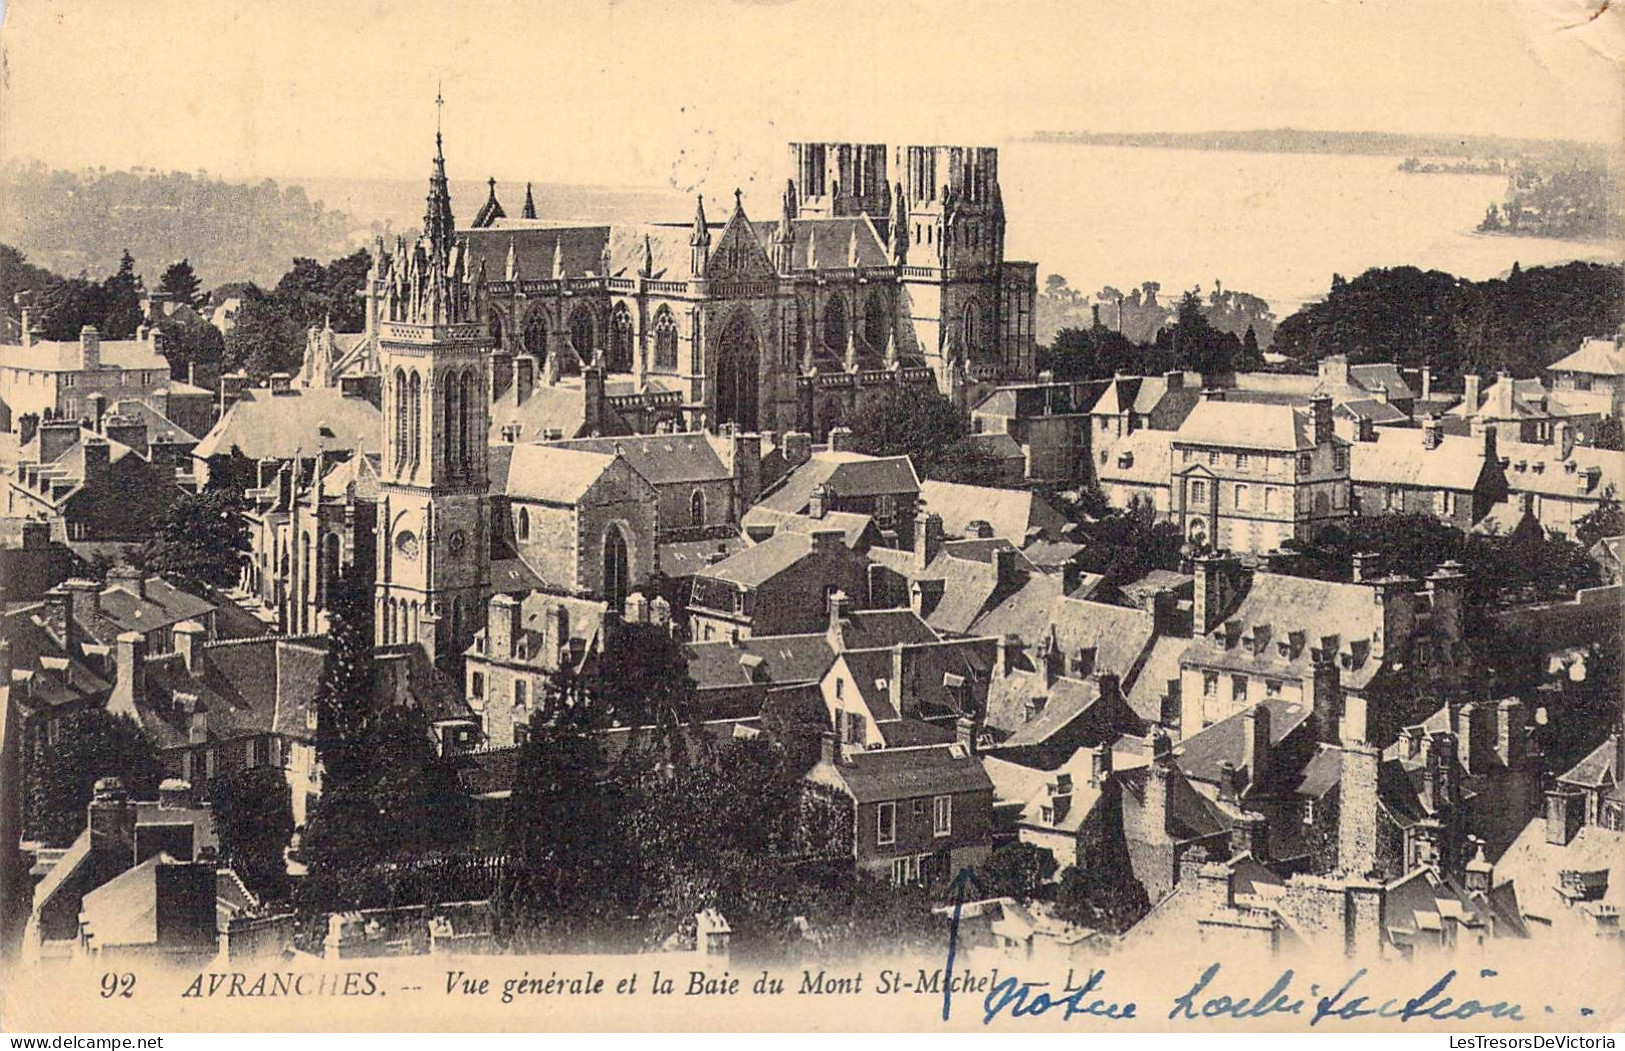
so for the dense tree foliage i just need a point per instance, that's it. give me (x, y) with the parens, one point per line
(62, 306)
(201, 540)
(1139, 314)
(1016, 870)
(89, 746)
(1414, 317)
(182, 285)
(253, 816)
(271, 327)
(922, 424)
(343, 699)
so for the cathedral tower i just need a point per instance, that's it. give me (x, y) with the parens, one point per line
(433, 510)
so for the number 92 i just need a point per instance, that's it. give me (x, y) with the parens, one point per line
(118, 985)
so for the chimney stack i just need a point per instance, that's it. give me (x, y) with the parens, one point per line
(189, 644)
(1565, 813)
(131, 662)
(90, 346)
(840, 440)
(1320, 412)
(927, 538)
(1432, 432)
(111, 821)
(1255, 745)
(502, 626)
(965, 733)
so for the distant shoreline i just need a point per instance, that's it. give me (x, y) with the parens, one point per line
(1336, 143)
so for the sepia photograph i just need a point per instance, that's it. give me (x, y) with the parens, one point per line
(812, 516)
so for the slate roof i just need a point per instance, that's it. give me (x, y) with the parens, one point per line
(55, 678)
(663, 459)
(684, 558)
(1199, 755)
(561, 407)
(969, 585)
(534, 244)
(360, 471)
(833, 237)
(1418, 901)
(796, 659)
(302, 421)
(1240, 426)
(124, 910)
(1381, 413)
(1011, 512)
(1285, 604)
(1140, 458)
(1596, 769)
(850, 475)
(1600, 357)
(1554, 476)
(1399, 457)
(158, 425)
(1191, 815)
(904, 773)
(1064, 701)
(554, 475)
(928, 669)
(69, 356)
(1160, 667)
(1084, 795)
(858, 530)
(119, 609)
(1533, 868)
(755, 565)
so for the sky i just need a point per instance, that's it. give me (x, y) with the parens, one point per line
(658, 91)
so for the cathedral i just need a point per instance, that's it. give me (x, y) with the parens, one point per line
(884, 268)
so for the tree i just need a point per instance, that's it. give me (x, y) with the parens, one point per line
(121, 299)
(185, 343)
(265, 339)
(1195, 343)
(917, 422)
(180, 283)
(202, 539)
(253, 815)
(90, 745)
(344, 692)
(641, 681)
(1609, 434)
(1016, 870)
(1606, 521)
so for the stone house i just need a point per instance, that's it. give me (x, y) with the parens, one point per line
(912, 814)
(781, 586)
(1456, 479)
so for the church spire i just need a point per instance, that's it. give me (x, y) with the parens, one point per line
(699, 242)
(438, 224)
(899, 227)
(491, 210)
(529, 211)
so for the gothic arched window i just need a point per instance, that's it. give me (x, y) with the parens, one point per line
(835, 324)
(876, 322)
(451, 423)
(535, 338)
(414, 414)
(398, 392)
(620, 339)
(617, 569)
(696, 509)
(583, 334)
(972, 327)
(494, 328)
(470, 422)
(523, 528)
(665, 340)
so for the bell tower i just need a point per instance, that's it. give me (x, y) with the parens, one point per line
(433, 509)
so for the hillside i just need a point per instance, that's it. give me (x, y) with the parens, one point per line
(74, 222)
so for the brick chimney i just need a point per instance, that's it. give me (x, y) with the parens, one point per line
(90, 348)
(111, 820)
(965, 733)
(1004, 566)
(1471, 393)
(502, 626)
(903, 701)
(1214, 589)
(189, 636)
(592, 399)
(98, 460)
(130, 683)
(1357, 792)
(637, 608)
(1255, 745)
(927, 538)
(280, 383)
(1432, 432)
(821, 502)
(1564, 439)
(1250, 834)
(1100, 765)
(840, 611)
(840, 440)
(797, 448)
(1320, 413)
(1565, 813)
